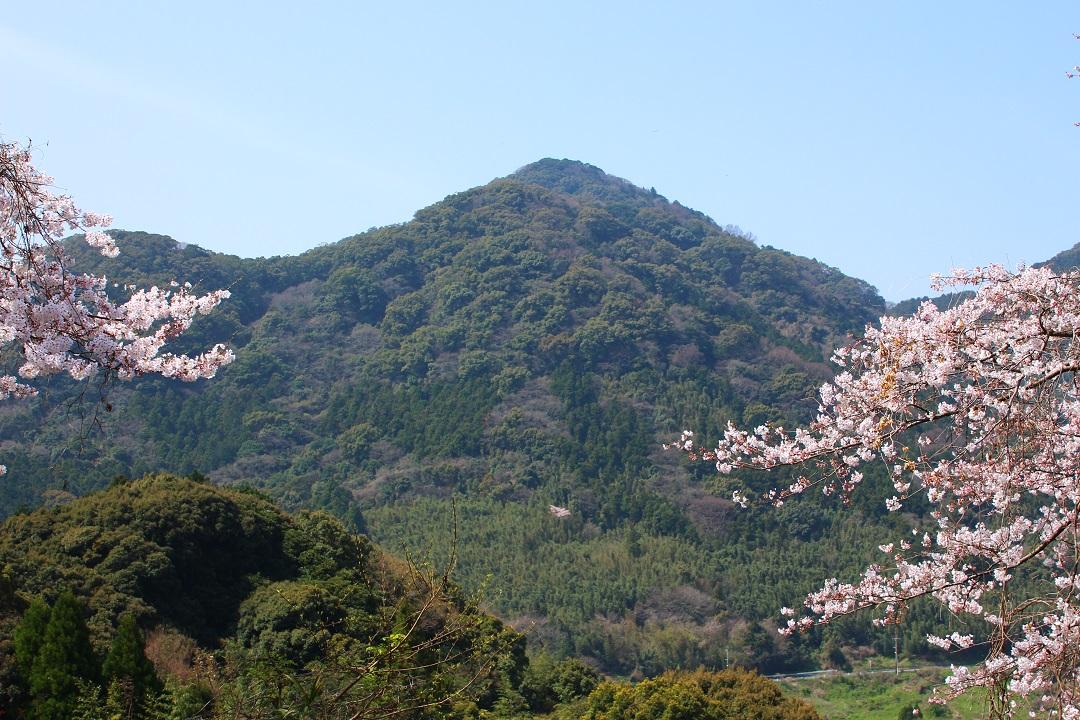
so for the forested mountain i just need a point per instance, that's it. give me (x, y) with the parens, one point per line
(529, 342)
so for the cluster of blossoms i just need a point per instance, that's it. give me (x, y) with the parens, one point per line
(62, 321)
(977, 409)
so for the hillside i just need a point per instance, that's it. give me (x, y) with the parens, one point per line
(1065, 260)
(529, 342)
(247, 611)
(238, 597)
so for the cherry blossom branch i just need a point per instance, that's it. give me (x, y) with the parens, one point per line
(972, 408)
(63, 322)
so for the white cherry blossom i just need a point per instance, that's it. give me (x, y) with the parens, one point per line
(977, 409)
(63, 321)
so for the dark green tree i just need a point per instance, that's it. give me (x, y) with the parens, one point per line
(832, 655)
(573, 679)
(29, 635)
(64, 658)
(127, 661)
(756, 648)
(547, 683)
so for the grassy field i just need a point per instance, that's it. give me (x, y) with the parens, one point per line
(881, 696)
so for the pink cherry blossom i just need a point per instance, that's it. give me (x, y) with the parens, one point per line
(62, 321)
(976, 408)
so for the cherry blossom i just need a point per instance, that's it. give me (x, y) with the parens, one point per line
(974, 409)
(63, 321)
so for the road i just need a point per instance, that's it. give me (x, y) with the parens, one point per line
(838, 673)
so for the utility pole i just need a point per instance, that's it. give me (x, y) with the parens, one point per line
(896, 648)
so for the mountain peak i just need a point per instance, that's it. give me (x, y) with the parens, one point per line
(577, 178)
(547, 169)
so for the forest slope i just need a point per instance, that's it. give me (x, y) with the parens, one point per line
(529, 342)
(240, 600)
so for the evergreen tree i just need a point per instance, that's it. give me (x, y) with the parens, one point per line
(29, 635)
(64, 658)
(127, 661)
(87, 705)
(121, 702)
(757, 649)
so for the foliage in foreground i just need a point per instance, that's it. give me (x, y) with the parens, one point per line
(252, 613)
(700, 695)
(883, 696)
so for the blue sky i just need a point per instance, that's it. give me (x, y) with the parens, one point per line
(888, 139)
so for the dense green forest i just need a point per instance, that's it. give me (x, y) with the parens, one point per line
(247, 607)
(168, 597)
(437, 384)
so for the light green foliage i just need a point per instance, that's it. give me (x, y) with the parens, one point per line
(355, 442)
(727, 695)
(883, 696)
(121, 700)
(182, 701)
(88, 702)
(635, 600)
(548, 683)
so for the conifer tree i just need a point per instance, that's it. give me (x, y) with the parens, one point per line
(87, 705)
(127, 661)
(64, 658)
(121, 701)
(29, 635)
